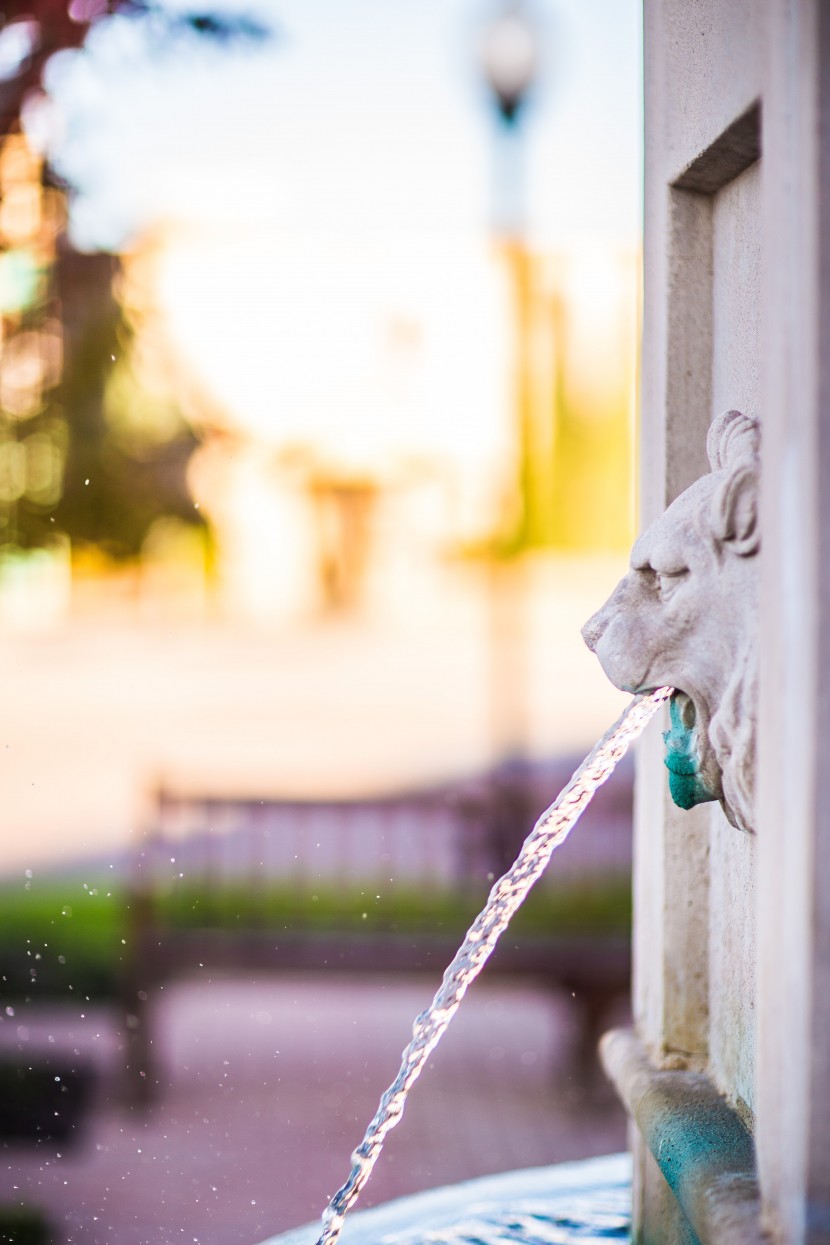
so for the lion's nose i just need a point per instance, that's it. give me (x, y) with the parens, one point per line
(593, 629)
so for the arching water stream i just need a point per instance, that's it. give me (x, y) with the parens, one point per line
(507, 895)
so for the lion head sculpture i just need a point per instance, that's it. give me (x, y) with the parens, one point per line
(685, 616)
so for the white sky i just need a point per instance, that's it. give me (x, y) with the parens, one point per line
(358, 114)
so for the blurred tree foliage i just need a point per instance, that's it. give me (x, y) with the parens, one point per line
(85, 448)
(127, 448)
(100, 457)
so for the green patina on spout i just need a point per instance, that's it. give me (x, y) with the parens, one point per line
(686, 785)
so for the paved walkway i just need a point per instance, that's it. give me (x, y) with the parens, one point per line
(268, 1087)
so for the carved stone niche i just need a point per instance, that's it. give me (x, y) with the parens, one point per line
(686, 616)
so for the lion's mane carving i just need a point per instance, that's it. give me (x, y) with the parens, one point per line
(685, 616)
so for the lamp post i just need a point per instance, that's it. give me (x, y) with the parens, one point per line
(508, 60)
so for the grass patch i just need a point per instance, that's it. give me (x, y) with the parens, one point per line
(603, 908)
(69, 939)
(21, 1226)
(61, 938)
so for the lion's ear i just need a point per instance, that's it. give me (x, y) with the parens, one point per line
(735, 511)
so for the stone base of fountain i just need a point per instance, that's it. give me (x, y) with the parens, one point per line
(699, 1158)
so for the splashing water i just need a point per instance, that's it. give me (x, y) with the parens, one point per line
(507, 895)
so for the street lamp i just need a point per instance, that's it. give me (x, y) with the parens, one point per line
(508, 61)
(508, 58)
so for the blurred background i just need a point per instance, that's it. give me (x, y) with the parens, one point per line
(318, 364)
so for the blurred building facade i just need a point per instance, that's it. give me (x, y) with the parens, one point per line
(307, 517)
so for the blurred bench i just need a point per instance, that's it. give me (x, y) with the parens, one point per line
(386, 884)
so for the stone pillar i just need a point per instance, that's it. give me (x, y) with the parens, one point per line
(793, 1074)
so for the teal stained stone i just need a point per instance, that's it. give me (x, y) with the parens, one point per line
(686, 785)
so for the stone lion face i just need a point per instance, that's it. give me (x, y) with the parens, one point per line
(685, 616)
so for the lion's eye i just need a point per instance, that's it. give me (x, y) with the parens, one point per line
(669, 582)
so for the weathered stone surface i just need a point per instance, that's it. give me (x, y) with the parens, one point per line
(699, 1144)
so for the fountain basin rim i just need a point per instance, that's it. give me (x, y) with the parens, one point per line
(698, 1141)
